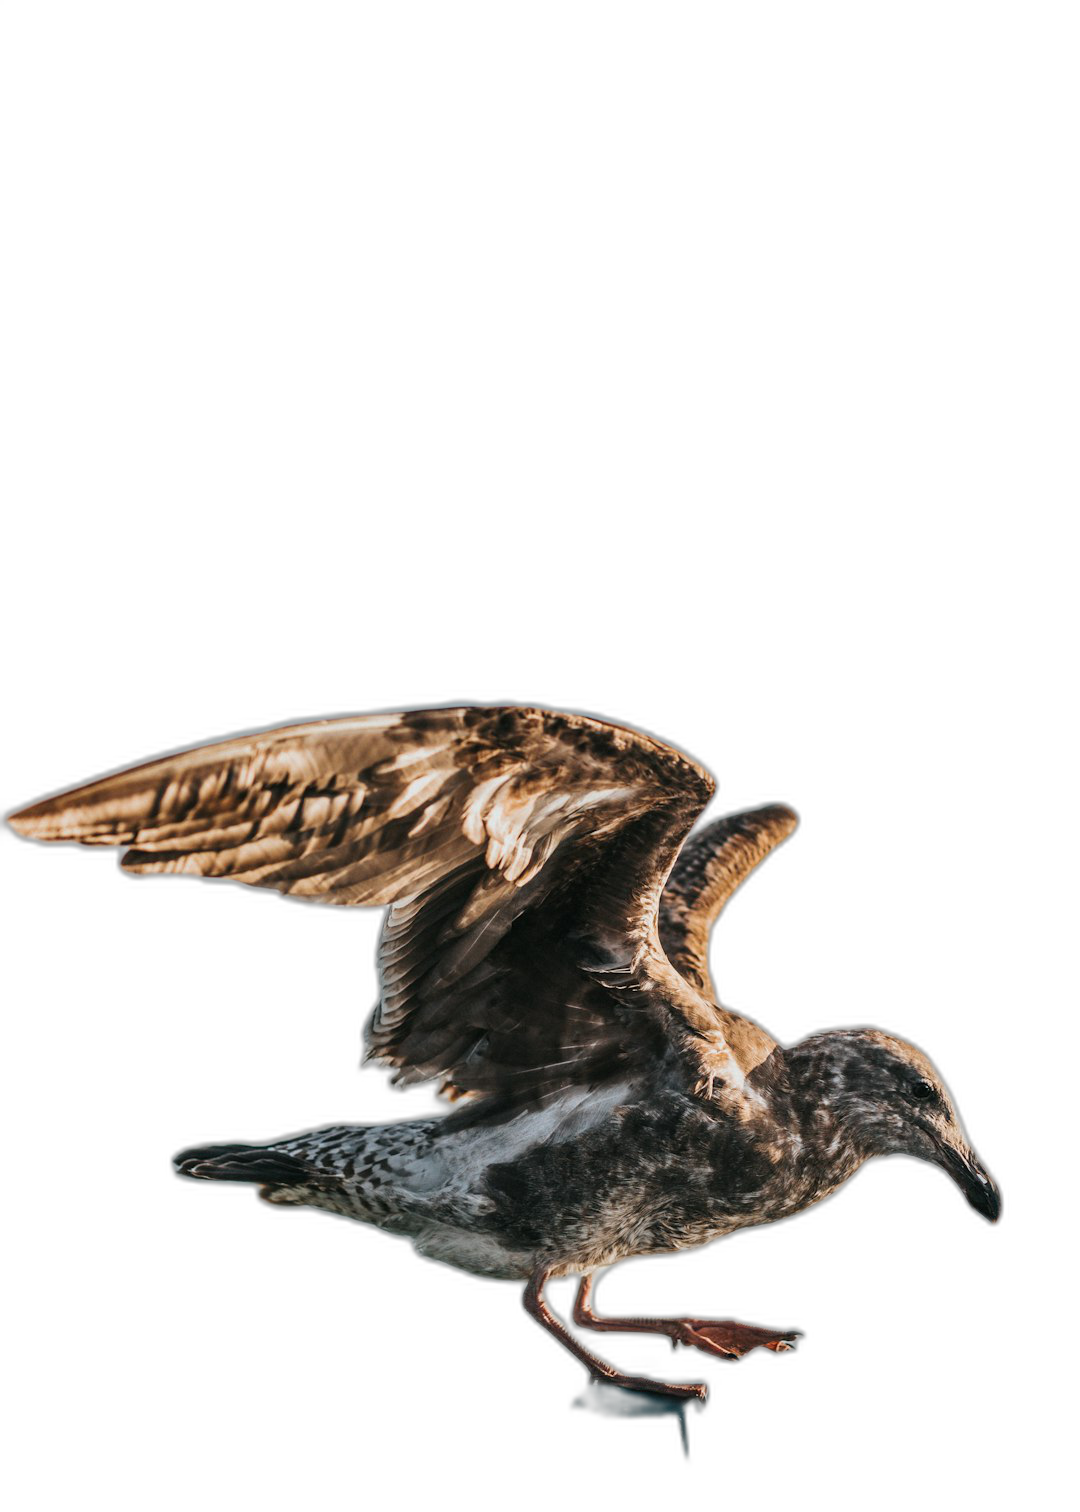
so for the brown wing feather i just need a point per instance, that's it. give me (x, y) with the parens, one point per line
(711, 865)
(523, 853)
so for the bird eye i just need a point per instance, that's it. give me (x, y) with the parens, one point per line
(922, 1091)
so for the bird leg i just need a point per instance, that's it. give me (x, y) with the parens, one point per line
(719, 1337)
(599, 1369)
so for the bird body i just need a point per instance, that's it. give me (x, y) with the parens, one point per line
(545, 959)
(592, 1178)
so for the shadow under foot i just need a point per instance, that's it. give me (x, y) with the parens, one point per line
(614, 1401)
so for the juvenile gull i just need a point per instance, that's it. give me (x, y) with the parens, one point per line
(545, 959)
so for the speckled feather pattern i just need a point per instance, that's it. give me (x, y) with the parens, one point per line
(591, 1179)
(545, 960)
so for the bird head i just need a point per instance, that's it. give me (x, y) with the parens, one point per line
(888, 1099)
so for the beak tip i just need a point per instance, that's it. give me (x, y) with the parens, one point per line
(985, 1199)
(994, 1208)
(976, 1183)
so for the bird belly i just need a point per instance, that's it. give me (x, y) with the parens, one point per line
(592, 1178)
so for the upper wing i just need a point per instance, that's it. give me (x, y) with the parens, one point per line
(711, 865)
(523, 853)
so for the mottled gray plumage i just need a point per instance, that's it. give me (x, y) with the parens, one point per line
(545, 959)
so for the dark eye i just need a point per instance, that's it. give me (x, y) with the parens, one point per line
(923, 1091)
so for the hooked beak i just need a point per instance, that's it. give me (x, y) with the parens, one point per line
(975, 1182)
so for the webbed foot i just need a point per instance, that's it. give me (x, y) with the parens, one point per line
(683, 1390)
(728, 1339)
(716, 1336)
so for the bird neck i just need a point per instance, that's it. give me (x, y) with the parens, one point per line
(819, 1107)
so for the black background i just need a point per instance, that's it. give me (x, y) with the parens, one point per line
(186, 1013)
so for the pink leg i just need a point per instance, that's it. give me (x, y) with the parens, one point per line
(719, 1337)
(599, 1370)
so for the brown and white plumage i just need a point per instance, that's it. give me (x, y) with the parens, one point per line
(523, 854)
(544, 957)
(712, 864)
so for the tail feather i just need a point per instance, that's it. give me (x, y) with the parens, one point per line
(262, 1164)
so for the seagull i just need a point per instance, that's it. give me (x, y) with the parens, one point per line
(544, 960)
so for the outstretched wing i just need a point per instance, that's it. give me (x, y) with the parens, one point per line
(523, 853)
(711, 865)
